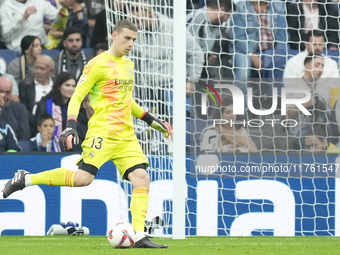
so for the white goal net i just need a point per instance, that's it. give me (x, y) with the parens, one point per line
(252, 167)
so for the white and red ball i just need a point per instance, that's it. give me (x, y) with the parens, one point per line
(121, 236)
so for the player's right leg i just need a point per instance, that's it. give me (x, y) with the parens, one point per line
(56, 177)
(63, 176)
(23, 179)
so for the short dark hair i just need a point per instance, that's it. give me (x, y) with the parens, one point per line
(217, 4)
(125, 23)
(310, 57)
(43, 117)
(314, 33)
(318, 132)
(27, 41)
(70, 31)
(99, 46)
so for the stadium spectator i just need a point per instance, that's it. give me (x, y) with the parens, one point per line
(99, 48)
(256, 26)
(315, 45)
(14, 113)
(317, 105)
(295, 67)
(56, 102)
(31, 94)
(307, 15)
(227, 138)
(45, 140)
(15, 91)
(92, 8)
(316, 141)
(100, 28)
(19, 18)
(58, 27)
(77, 19)
(155, 64)
(194, 4)
(22, 68)
(8, 140)
(48, 22)
(72, 59)
(205, 26)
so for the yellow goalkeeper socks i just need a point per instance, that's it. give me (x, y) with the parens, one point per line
(55, 177)
(139, 206)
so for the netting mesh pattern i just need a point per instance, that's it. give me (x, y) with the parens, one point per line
(260, 48)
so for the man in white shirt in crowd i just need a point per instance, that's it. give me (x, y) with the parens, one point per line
(31, 94)
(19, 18)
(318, 105)
(295, 67)
(315, 44)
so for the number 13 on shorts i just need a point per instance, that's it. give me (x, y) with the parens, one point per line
(97, 142)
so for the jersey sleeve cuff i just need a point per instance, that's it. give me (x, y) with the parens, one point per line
(72, 123)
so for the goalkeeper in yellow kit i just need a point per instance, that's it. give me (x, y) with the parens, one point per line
(109, 78)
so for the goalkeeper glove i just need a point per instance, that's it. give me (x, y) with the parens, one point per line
(157, 124)
(69, 135)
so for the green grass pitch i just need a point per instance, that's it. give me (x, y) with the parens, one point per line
(93, 245)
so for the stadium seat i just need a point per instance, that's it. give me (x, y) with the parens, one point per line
(88, 51)
(274, 64)
(8, 55)
(194, 131)
(333, 54)
(25, 146)
(51, 53)
(292, 52)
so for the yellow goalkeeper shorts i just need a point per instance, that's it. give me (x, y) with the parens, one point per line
(124, 154)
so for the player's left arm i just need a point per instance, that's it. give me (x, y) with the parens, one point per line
(152, 121)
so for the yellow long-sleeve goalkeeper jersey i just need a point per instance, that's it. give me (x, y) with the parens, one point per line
(110, 81)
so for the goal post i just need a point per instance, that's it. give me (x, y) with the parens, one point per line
(179, 153)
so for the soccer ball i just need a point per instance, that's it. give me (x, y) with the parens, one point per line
(122, 236)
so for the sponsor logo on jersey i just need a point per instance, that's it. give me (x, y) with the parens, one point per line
(125, 88)
(128, 82)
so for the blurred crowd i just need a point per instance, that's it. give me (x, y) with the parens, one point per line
(224, 40)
